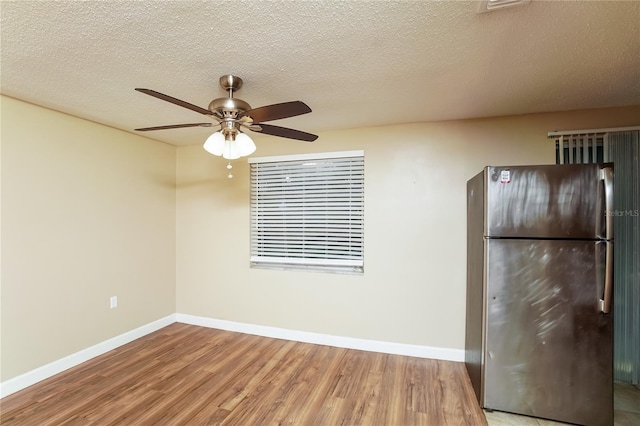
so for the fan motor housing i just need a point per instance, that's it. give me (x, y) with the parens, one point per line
(228, 105)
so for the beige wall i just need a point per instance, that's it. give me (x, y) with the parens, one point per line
(413, 288)
(88, 212)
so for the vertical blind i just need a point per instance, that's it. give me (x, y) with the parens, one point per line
(308, 211)
(624, 152)
(582, 148)
(623, 149)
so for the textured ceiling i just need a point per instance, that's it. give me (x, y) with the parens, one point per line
(356, 63)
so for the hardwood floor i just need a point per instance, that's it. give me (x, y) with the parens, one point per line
(189, 375)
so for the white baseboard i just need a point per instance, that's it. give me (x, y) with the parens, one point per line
(34, 376)
(31, 377)
(445, 354)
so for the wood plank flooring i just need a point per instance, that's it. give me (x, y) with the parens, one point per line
(189, 375)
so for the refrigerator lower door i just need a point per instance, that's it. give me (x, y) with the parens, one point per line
(548, 349)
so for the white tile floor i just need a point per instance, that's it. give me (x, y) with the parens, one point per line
(626, 405)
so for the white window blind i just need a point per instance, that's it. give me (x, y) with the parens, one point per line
(307, 212)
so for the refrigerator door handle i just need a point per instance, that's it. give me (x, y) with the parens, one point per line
(606, 175)
(605, 303)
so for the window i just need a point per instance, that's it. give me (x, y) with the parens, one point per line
(307, 212)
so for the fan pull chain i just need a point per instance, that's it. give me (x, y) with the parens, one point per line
(229, 167)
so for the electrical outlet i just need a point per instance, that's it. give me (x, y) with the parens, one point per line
(114, 302)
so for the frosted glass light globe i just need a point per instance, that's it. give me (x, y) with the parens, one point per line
(245, 145)
(215, 144)
(230, 150)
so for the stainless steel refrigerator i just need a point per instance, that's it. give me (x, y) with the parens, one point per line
(539, 327)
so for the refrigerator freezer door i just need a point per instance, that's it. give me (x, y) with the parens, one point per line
(553, 201)
(548, 347)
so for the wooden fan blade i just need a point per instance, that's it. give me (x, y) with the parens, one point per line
(284, 132)
(277, 111)
(174, 126)
(175, 101)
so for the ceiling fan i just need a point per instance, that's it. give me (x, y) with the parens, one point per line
(232, 116)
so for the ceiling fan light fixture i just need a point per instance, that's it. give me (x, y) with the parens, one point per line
(228, 146)
(215, 144)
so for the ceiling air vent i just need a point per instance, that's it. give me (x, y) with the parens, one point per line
(491, 5)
